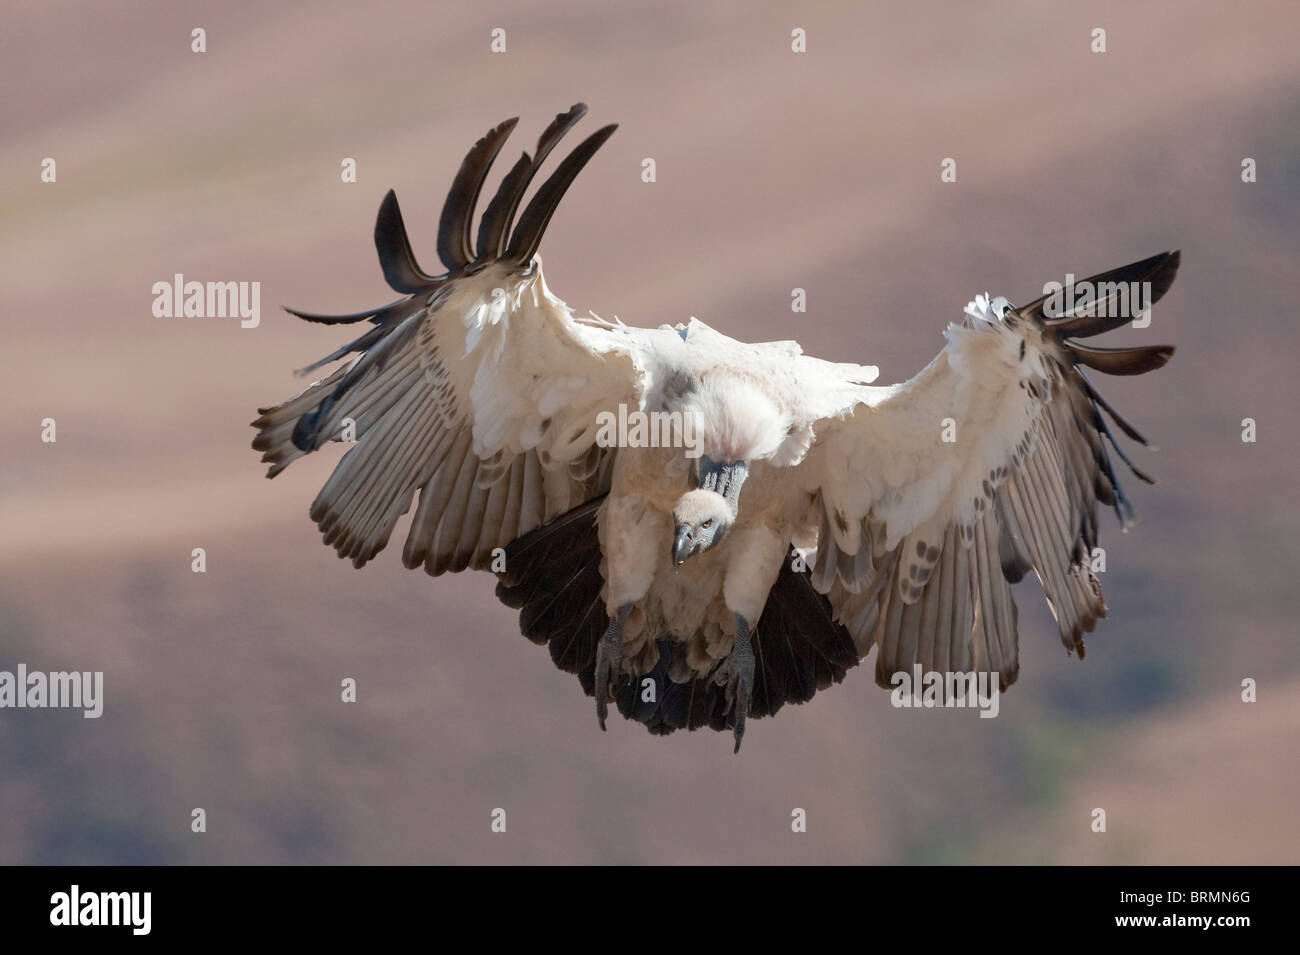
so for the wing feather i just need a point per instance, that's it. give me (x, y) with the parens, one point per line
(478, 391)
(954, 521)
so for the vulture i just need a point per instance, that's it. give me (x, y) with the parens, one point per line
(777, 518)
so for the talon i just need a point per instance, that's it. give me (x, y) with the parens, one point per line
(609, 652)
(602, 688)
(746, 689)
(738, 669)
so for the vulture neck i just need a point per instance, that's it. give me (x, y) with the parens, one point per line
(724, 479)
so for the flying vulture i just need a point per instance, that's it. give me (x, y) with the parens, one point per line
(793, 516)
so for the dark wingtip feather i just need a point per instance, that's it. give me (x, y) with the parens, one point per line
(558, 128)
(532, 224)
(1121, 361)
(340, 319)
(304, 431)
(396, 322)
(494, 230)
(384, 320)
(1100, 401)
(458, 211)
(1158, 270)
(1104, 429)
(1165, 275)
(394, 247)
(500, 212)
(1088, 319)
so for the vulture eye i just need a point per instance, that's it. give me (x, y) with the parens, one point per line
(707, 524)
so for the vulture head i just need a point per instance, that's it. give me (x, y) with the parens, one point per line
(701, 519)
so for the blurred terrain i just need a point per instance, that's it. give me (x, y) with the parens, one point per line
(775, 170)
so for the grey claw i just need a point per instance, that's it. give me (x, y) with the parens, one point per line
(608, 652)
(602, 710)
(602, 684)
(742, 695)
(738, 684)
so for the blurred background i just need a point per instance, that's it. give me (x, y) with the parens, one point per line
(775, 170)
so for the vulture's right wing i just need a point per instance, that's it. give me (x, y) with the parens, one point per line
(478, 388)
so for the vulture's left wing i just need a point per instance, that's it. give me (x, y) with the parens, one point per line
(479, 389)
(935, 495)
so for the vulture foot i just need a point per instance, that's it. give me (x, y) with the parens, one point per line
(609, 654)
(736, 673)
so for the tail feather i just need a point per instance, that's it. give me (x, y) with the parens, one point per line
(553, 578)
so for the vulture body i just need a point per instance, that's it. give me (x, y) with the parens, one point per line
(786, 518)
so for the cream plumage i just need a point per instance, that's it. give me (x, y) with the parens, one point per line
(824, 516)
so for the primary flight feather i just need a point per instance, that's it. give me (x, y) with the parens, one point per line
(780, 516)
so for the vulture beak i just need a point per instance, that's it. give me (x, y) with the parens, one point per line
(682, 544)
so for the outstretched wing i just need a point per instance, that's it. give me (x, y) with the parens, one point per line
(936, 495)
(478, 389)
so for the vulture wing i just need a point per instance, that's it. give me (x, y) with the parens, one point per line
(936, 495)
(478, 389)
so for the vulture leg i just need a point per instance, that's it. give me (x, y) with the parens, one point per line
(609, 654)
(737, 674)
